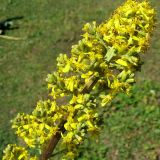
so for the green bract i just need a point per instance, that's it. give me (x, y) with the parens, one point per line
(99, 67)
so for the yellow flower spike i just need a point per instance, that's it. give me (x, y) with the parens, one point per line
(99, 67)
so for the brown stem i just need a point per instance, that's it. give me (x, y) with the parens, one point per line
(47, 152)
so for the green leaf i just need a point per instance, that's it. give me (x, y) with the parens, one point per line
(110, 54)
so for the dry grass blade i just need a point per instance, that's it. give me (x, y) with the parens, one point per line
(11, 38)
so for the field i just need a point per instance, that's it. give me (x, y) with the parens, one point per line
(50, 27)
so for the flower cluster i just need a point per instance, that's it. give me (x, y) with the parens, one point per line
(100, 66)
(13, 152)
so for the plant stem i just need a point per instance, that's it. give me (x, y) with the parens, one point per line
(48, 150)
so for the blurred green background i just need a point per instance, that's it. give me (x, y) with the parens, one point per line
(50, 27)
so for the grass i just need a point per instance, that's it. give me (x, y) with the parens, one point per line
(49, 28)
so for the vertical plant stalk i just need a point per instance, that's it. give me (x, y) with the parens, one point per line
(47, 152)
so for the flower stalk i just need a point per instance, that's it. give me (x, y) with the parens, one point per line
(99, 67)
